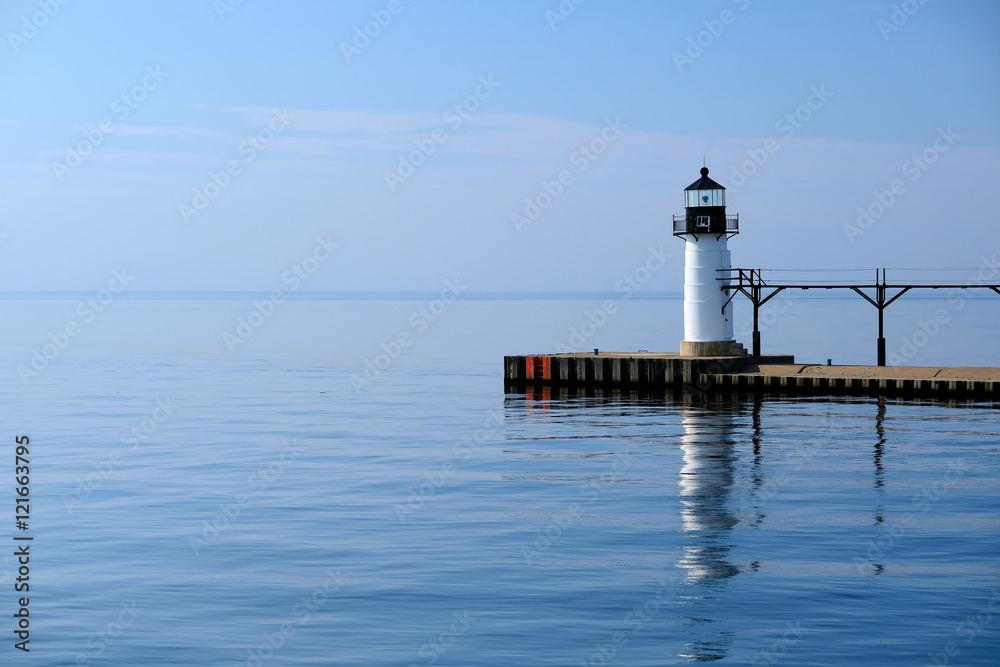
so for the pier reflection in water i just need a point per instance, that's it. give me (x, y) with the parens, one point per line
(755, 510)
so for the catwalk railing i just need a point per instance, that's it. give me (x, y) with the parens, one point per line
(682, 226)
(750, 283)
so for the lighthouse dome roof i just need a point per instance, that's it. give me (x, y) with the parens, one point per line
(704, 183)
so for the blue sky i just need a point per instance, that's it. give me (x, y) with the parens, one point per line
(874, 85)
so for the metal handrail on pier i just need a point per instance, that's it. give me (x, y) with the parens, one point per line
(751, 284)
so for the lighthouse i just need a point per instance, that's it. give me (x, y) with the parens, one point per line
(706, 230)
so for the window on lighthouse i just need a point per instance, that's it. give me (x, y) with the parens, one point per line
(695, 198)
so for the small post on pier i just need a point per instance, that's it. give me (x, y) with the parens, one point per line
(880, 298)
(881, 340)
(755, 290)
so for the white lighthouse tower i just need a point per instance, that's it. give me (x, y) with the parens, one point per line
(708, 319)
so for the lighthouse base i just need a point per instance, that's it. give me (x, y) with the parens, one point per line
(712, 348)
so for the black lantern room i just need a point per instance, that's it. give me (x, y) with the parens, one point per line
(705, 209)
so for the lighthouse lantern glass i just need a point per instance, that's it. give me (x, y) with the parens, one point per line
(697, 198)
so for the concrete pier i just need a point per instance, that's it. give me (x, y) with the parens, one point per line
(771, 374)
(913, 381)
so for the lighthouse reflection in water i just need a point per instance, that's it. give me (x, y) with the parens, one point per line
(680, 550)
(706, 479)
(705, 484)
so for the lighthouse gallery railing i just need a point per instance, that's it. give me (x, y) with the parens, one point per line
(680, 224)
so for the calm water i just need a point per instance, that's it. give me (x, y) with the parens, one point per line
(196, 506)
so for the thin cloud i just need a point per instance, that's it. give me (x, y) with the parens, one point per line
(176, 132)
